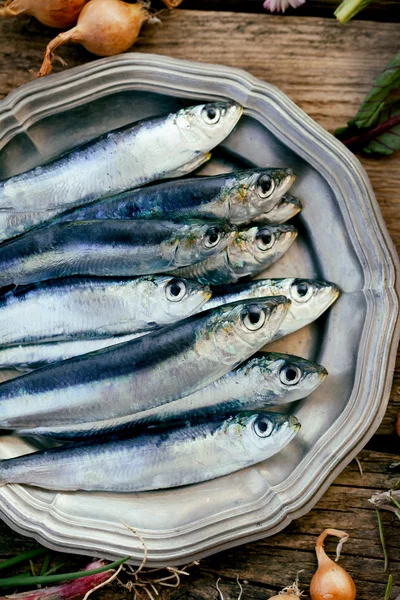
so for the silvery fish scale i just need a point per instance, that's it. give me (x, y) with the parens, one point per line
(342, 239)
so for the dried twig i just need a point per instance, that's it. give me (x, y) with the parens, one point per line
(359, 466)
(143, 544)
(100, 585)
(147, 582)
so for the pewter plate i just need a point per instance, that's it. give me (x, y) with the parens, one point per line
(342, 238)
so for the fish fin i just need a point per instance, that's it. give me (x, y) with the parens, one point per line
(189, 167)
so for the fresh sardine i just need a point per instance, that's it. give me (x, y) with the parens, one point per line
(309, 298)
(109, 248)
(252, 250)
(157, 459)
(236, 197)
(262, 381)
(156, 368)
(34, 356)
(155, 148)
(87, 308)
(286, 209)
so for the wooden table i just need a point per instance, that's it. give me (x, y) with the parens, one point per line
(326, 69)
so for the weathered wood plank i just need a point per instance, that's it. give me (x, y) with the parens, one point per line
(273, 562)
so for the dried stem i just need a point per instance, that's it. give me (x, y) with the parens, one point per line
(336, 532)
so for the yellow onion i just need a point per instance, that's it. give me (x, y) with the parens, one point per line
(105, 28)
(330, 581)
(53, 13)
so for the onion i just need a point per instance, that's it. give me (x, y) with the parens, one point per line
(331, 582)
(105, 27)
(53, 13)
(170, 4)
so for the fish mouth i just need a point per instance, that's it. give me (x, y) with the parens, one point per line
(287, 181)
(294, 424)
(287, 235)
(206, 294)
(233, 112)
(329, 294)
(323, 373)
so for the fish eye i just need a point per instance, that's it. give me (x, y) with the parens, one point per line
(265, 240)
(301, 291)
(212, 237)
(254, 318)
(263, 427)
(211, 114)
(175, 290)
(265, 186)
(290, 374)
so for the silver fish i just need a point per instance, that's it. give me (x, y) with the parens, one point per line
(236, 197)
(309, 298)
(33, 356)
(287, 208)
(252, 250)
(109, 248)
(155, 148)
(260, 382)
(88, 308)
(156, 368)
(156, 459)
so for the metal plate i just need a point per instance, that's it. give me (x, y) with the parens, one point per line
(342, 239)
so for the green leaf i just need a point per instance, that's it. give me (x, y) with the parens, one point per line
(385, 135)
(382, 138)
(374, 102)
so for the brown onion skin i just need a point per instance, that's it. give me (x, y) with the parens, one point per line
(330, 581)
(105, 28)
(108, 27)
(59, 14)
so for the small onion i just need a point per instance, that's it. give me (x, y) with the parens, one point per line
(53, 13)
(331, 582)
(105, 28)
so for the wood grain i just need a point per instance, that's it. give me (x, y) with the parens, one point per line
(326, 69)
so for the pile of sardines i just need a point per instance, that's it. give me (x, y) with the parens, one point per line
(132, 309)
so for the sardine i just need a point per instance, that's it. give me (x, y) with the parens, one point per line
(309, 298)
(260, 382)
(33, 356)
(109, 248)
(236, 197)
(253, 249)
(87, 308)
(156, 368)
(287, 208)
(158, 458)
(155, 148)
